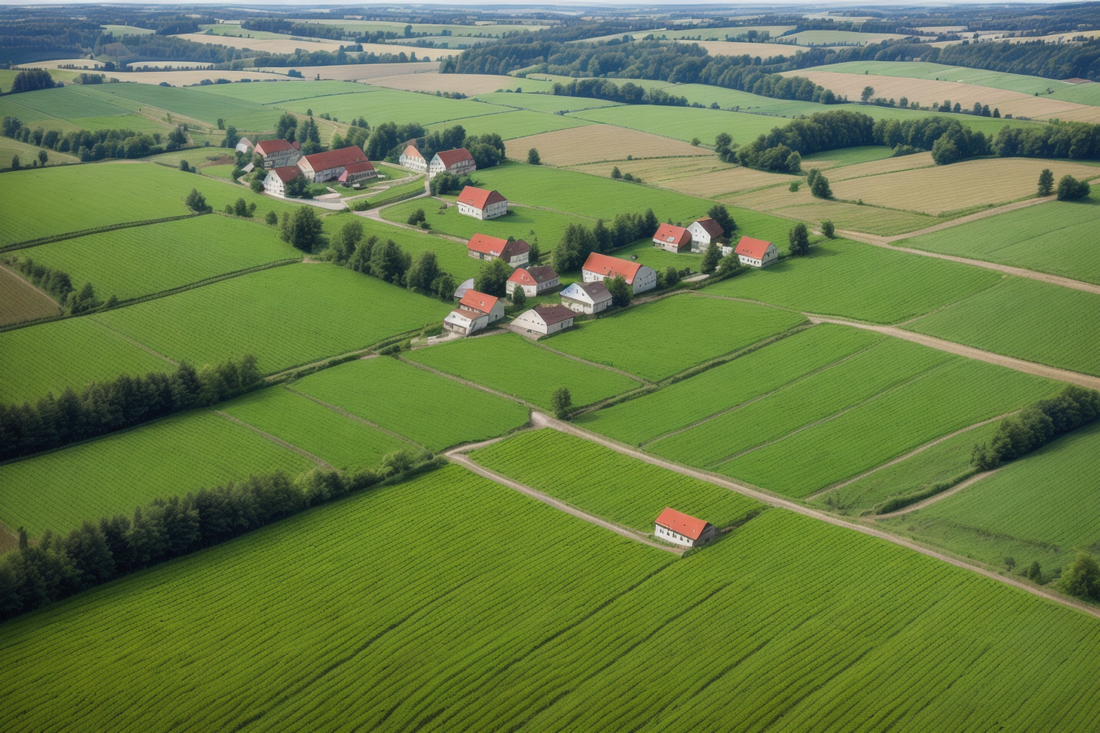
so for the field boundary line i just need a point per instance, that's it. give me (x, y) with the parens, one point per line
(131, 341)
(910, 454)
(542, 420)
(352, 416)
(605, 367)
(94, 230)
(631, 534)
(468, 383)
(277, 441)
(39, 293)
(938, 497)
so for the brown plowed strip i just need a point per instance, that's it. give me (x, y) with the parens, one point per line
(277, 441)
(938, 497)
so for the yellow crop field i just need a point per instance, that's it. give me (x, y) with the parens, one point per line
(20, 301)
(271, 45)
(946, 188)
(356, 72)
(469, 84)
(600, 142)
(702, 176)
(875, 167)
(737, 48)
(802, 206)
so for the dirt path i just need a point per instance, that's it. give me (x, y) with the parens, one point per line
(541, 420)
(938, 497)
(1028, 367)
(352, 416)
(631, 534)
(277, 441)
(908, 455)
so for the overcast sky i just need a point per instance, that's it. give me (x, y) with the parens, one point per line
(562, 3)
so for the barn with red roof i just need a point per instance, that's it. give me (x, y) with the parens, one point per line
(474, 312)
(328, 166)
(483, 247)
(682, 529)
(481, 204)
(357, 172)
(458, 162)
(672, 238)
(533, 280)
(277, 153)
(599, 267)
(756, 252)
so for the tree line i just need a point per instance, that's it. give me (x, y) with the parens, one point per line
(1036, 425)
(87, 145)
(628, 93)
(58, 284)
(386, 261)
(59, 566)
(126, 401)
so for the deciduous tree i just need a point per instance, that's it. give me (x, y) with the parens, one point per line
(711, 258)
(620, 291)
(799, 238)
(562, 402)
(1046, 182)
(493, 278)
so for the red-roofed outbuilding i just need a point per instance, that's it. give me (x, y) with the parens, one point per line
(484, 247)
(683, 529)
(533, 280)
(457, 161)
(481, 204)
(598, 267)
(672, 238)
(328, 166)
(756, 252)
(277, 153)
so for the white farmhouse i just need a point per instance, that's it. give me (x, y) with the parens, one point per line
(474, 312)
(639, 277)
(458, 162)
(543, 320)
(412, 159)
(682, 529)
(672, 238)
(586, 298)
(756, 252)
(703, 232)
(481, 204)
(278, 153)
(243, 145)
(277, 178)
(483, 247)
(533, 280)
(330, 165)
(464, 322)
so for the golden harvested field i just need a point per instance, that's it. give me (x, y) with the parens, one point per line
(21, 301)
(738, 48)
(702, 176)
(186, 78)
(356, 72)
(469, 84)
(600, 142)
(802, 206)
(1056, 37)
(948, 188)
(875, 167)
(271, 45)
(929, 91)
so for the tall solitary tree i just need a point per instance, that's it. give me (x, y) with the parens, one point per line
(1046, 182)
(562, 402)
(303, 230)
(867, 93)
(533, 157)
(828, 229)
(799, 238)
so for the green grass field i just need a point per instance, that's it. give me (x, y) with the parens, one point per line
(1039, 508)
(643, 252)
(390, 105)
(1016, 318)
(848, 156)
(609, 484)
(657, 340)
(787, 624)
(427, 408)
(278, 91)
(1080, 93)
(549, 103)
(112, 475)
(138, 261)
(1056, 237)
(685, 123)
(940, 462)
(285, 316)
(451, 256)
(28, 153)
(513, 365)
(69, 353)
(68, 103)
(511, 124)
(342, 441)
(960, 392)
(194, 103)
(726, 386)
(879, 285)
(942, 72)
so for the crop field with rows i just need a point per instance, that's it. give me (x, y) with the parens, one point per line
(558, 632)
(685, 123)
(1042, 507)
(514, 124)
(601, 142)
(609, 484)
(39, 359)
(546, 103)
(340, 440)
(880, 286)
(801, 205)
(21, 301)
(943, 72)
(28, 152)
(427, 408)
(724, 387)
(1015, 319)
(100, 478)
(238, 316)
(194, 103)
(388, 105)
(522, 369)
(961, 392)
(678, 333)
(138, 261)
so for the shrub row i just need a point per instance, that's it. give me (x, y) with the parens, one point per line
(1036, 425)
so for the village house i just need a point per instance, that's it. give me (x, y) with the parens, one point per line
(533, 280)
(756, 252)
(543, 320)
(672, 238)
(483, 247)
(278, 153)
(277, 178)
(474, 312)
(682, 529)
(458, 162)
(586, 298)
(703, 232)
(465, 322)
(357, 172)
(330, 165)
(412, 159)
(481, 204)
(639, 277)
(243, 145)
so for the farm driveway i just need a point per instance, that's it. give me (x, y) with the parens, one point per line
(541, 420)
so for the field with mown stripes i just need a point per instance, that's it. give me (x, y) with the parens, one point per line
(787, 624)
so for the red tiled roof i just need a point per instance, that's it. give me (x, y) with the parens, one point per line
(412, 152)
(287, 172)
(334, 158)
(450, 157)
(278, 145)
(710, 226)
(681, 523)
(672, 234)
(479, 198)
(475, 301)
(754, 248)
(554, 313)
(497, 247)
(611, 266)
(533, 275)
(366, 165)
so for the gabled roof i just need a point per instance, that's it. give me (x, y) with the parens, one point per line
(334, 158)
(286, 173)
(533, 275)
(598, 292)
(710, 226)
(480, 302)
(450, 157)
(681, 523)
(497, 247)
(553, 313)
(754, 248)
(611, 266)
(672, 234)
(268, 147)
(464, 313)
(479, 198)
(412, 152)
(366, 165)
